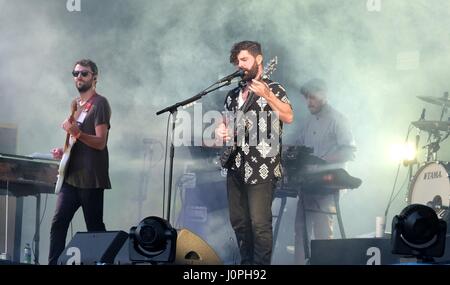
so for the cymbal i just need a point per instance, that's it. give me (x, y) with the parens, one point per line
(441, 101)
(432, 126)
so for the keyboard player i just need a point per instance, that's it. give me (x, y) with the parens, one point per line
(327, 132)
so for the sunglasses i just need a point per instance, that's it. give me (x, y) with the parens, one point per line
(83, 73)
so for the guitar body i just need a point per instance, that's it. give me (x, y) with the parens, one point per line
(228, 156)
(63, 166)
(70, 141)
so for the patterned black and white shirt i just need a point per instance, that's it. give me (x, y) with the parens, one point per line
(258, 157)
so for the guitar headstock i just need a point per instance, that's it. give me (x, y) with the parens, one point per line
(270, 67)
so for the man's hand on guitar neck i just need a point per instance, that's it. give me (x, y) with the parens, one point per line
(71, 128)
(284, 110)
(260, 88)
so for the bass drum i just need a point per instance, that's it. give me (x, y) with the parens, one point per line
(431, 186)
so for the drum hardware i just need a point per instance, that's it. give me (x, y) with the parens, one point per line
(440, 101)
(434, 128)
(434, 146)
(429, 184)
(443, 101)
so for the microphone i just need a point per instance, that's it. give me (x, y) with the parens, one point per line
(422, 116)
(237, 73)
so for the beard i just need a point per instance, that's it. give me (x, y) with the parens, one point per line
(84, 87)
(315, 109)
(251, 74)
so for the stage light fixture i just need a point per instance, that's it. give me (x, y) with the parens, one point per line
(403, 152)
(153, 241)
(418, 232)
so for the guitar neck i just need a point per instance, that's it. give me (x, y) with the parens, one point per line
(73, 110)
(66, 145)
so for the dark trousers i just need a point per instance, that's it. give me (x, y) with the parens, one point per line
(250, 209)
(69, 200)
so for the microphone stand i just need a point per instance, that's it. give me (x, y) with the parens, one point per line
(444, 106)
(414, 161)
(173, 112)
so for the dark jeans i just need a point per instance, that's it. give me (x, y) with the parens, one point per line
(69, 200)
(251, 218)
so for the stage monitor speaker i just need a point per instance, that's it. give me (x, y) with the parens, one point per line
(123, 256)
(192, 250)
(361, 251)
(91, 248)
(355, 251)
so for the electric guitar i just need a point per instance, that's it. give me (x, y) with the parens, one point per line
(70, 141)
(230, 152)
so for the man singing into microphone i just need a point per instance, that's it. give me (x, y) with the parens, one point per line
(255, 165)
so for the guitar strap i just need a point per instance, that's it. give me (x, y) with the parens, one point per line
(85, 109)
(80, 112)
(250, 98)
(247, 104)
(244, 108)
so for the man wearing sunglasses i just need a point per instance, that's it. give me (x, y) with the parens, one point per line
(86, 174)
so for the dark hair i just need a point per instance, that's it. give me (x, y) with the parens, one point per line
(313, 86)
(88, 63)
(254, 48)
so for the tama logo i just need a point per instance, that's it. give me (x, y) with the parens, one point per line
(432, 175)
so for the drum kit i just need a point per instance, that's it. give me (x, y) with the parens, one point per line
(430, 185)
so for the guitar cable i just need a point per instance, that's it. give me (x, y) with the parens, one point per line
(394, 196)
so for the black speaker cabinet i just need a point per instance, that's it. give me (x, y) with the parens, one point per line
(91, 248)
(361, 251)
